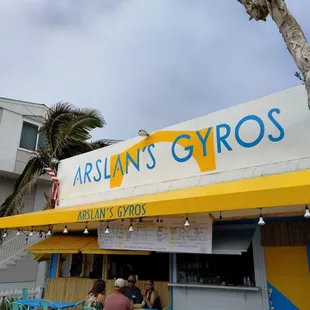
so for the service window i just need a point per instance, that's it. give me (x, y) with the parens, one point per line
(146, 267)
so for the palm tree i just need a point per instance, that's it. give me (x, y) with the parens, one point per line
(66, 131)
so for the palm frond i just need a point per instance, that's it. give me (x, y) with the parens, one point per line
(24, 184)
(66, 131)
(98, 144)
(50, 203)
(75, 149)
(57, 117)
(78, 129)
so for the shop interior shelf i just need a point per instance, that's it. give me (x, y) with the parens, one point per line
(220, 287)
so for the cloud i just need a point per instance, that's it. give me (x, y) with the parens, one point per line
(142, 63)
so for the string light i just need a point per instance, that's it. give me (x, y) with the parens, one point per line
(130, 228)
(107, 231)
(86, 232)
(261, 221)
(187, 223)
(65, 230)
(307, 212)
(5, 234)
(18, 233)
(31, 233)
(49, 233)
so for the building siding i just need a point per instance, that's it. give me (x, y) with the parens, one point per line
(26, 272)
(10, 130)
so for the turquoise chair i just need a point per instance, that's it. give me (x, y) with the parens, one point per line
(25, 293)
(46, 304)
(17, 306)
(94, 305)
(7, 304)
(79, 304)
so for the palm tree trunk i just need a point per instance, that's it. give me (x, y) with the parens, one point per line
(292, 33)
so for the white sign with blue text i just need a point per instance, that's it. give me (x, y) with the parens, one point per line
(264, 131)
(169, 235)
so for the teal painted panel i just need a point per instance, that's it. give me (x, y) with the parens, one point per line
(278, 301)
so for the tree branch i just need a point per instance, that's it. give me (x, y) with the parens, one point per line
(292, 33)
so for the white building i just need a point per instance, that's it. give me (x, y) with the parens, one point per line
(19, 124)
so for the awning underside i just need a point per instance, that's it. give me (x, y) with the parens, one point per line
(60, 244)
(72, 245)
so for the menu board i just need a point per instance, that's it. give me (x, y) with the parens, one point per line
(164, 235)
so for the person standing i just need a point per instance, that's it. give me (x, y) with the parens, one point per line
(117, 301)
(132, 292)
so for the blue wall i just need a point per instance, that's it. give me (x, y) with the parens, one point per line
(52, 273)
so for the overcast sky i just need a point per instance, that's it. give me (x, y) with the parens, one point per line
(143, 63)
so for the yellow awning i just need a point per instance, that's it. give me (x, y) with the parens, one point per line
(93, 248)
(285, 189)
(60, 244)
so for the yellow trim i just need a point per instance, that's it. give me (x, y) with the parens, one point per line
(60, 245)
(117, 252)
(42, 257)
(93, 248)
(285, 189)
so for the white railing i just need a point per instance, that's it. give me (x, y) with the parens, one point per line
(15, 246)
(33, 293)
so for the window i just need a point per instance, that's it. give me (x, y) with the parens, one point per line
(79, 265)
(146, 267)
(232, 270)
(30, 139)
(76, 265)
(231, 262)
(41, 140)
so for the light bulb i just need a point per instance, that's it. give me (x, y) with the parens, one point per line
(49, 233)
(261, 221)
(31, 234)
(107, 231)
(187, 224)
(130, 228)
(307, 213)
(86, 231)
(18, 233)
(5, 234)
(65, 230)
